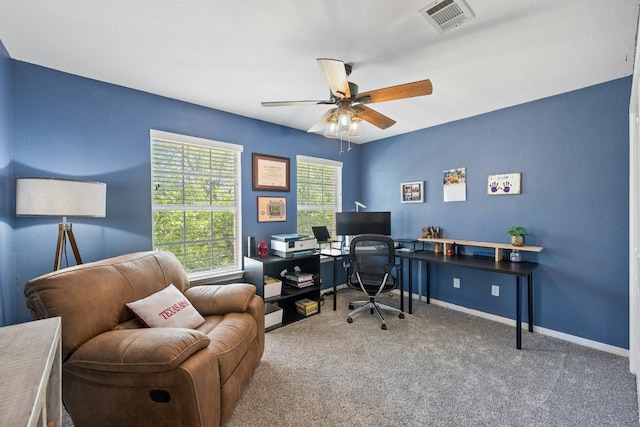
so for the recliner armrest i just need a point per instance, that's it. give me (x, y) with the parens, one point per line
(138, 350)
(221, 299)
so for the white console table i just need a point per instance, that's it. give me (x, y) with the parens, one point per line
(30, 374)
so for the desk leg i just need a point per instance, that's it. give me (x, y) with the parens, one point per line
(428, 281)
(410, 272)
(518, 313)
(530, 300)
(335, 285)
(400, 283)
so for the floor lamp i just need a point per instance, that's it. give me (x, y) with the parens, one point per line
(62, 198)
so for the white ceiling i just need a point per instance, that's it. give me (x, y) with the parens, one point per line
(232, 54)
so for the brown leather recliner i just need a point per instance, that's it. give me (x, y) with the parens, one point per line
(116, 372)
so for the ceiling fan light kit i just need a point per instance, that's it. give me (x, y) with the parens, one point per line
(345, 121)
(343, 124)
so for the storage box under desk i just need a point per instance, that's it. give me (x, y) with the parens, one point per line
(272, 316)
(272, 287)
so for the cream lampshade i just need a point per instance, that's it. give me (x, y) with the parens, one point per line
(63, 198)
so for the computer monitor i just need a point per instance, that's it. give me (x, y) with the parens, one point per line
(353, 223)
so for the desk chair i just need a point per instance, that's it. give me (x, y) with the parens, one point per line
(372, 258)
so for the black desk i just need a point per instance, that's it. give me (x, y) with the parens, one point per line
(518, 269)
(336, 254)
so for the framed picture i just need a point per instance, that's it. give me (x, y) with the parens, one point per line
(412, 192)
(504, 184)
(270, 173)
(454, 185)
(271, 209)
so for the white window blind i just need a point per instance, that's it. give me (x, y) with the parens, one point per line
(196, 207)
(319, 193)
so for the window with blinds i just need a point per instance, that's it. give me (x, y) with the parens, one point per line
(319, 193)
(196, 202)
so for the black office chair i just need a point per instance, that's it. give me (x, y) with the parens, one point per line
(372, 259)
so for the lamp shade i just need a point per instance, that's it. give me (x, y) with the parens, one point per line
(355, 129)
(331, 129)
(344, 120)
(60, 197)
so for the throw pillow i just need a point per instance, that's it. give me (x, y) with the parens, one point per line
(167, 308)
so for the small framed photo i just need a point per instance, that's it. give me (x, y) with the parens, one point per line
(412, 192)
(272, 209)
(504, 184)
(270, 173)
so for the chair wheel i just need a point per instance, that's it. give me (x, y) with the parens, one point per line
(349, 320)
(384, 327)
(371, 311)
(401, 315)
(350, 306)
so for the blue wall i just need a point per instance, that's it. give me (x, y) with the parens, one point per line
(572, 150)
(69, 126)
(7, 270)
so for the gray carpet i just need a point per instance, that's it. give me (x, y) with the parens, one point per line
(437, 367)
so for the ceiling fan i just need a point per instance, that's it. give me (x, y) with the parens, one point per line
(344, 120)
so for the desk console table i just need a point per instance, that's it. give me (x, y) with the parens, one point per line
(523, 269)
(30, 390)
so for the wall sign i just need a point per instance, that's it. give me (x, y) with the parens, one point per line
(504, 184)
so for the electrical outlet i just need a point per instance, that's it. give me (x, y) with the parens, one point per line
(456, 282)
(495, 290)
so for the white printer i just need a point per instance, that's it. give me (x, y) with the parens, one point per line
(291, 245)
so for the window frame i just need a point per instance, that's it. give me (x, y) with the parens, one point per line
(204, 276)
(338, 191)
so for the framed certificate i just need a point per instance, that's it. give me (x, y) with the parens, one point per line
(270, 173)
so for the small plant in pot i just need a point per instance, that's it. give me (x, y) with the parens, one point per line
(517, 234)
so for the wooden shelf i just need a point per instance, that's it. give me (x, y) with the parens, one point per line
(497, 247)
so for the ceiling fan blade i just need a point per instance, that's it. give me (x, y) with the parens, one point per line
(373, 117)
(407, 90)
(336, 75)
(322, 122)
(293, 103)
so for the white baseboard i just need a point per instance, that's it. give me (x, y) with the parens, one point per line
(511, 322)
(544, 331)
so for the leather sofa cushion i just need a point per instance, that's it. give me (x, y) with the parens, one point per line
(91, 298)
(138, 350)
(231, 337)
(221, 299)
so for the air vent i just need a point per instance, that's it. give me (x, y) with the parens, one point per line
(447, 14)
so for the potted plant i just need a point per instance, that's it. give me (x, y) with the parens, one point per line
(517, 234)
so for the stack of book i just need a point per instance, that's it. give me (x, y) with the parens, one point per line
(306, 307)
(299, 279)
